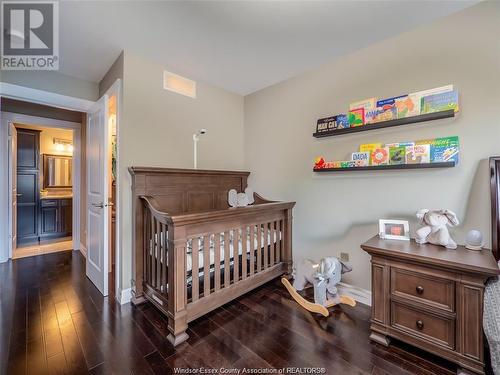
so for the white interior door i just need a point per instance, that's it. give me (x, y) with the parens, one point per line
(13, 185)
(97, 196)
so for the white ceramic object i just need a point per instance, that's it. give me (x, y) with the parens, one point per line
(474, 240)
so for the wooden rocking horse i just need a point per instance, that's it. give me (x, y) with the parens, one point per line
(323, 276)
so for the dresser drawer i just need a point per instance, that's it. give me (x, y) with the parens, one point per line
(438, 330)
(423, 288)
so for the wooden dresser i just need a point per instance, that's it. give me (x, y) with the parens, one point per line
(430, 297)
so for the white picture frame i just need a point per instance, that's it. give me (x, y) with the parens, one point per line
(394, 230)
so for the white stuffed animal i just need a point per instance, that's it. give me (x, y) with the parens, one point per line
(435, 230)
(236, 199)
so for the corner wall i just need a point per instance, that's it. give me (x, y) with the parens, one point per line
(337, 212)
(156, 130)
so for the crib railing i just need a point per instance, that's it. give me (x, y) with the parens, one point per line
(195, 262)
(225, 258)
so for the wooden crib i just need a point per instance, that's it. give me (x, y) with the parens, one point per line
(179, 213)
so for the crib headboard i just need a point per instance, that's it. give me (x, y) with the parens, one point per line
(180, 191)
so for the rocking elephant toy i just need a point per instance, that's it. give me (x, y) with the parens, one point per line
(323, 276)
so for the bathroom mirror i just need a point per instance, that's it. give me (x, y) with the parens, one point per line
(57, 171)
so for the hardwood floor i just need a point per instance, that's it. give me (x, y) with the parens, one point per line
(54, 321)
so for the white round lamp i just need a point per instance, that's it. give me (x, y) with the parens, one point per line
(474, 240)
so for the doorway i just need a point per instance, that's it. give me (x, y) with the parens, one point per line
(99, 126)
(42, 189)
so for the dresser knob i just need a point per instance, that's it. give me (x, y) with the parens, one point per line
(420, 324)
(420, 289)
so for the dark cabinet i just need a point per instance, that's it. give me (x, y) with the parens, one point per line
(55, 218)
(28, 143)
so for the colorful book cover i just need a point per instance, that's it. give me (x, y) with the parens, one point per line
(347, 164)
(390, 101)
(372, 115)
(326, 124)
(399, 144)
(366, 104)
(418, 154)
(380, 156)
(440, 102)
(369, 147)
(361, 158)
(397, 155)
(342, 121)
(443, 149)
(386, 113)
(406, 106)
(356, 117)
(416, 99)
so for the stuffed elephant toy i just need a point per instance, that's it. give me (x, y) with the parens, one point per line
(435, 230)
(324, 276)
(236, 199)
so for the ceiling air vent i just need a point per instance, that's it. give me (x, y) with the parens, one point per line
(180, 85)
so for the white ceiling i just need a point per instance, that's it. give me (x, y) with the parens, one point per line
(242, 46)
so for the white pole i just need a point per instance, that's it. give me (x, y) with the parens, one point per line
(195, 150)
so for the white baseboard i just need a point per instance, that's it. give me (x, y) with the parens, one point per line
(83, 250)
(124, 296)
(359, 294)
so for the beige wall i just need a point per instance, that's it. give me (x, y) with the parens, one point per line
(157, 127)
(114, 72)
(337, 212)
(47, 141)
(53, 82)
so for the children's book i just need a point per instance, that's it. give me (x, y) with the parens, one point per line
(397, 155)
(418, 154)
(342, 121)
(369, 147)
(405, 106)
(390, 101)
(380, 156)
(361, 158)
(347, 164)
(326, 124)
(443, 149)
(356, 117)
(399, 144)
(366, 104)
(416, 100)
(440, 102)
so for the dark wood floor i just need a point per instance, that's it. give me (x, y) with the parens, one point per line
(54, 321)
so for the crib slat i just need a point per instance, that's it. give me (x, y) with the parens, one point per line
(265, 246)
(158, 254)
(259, 247)
(227, 260)
(272, 243)
(206, 266)
(279, 238)
(146, 245)
(244, 239)
(164, 269)
(217, 261)
(252, 249)
(195, 284)
(236, 255)
(152, 263)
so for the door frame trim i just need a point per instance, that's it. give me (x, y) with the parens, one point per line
(8, 118)
(115, 89)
